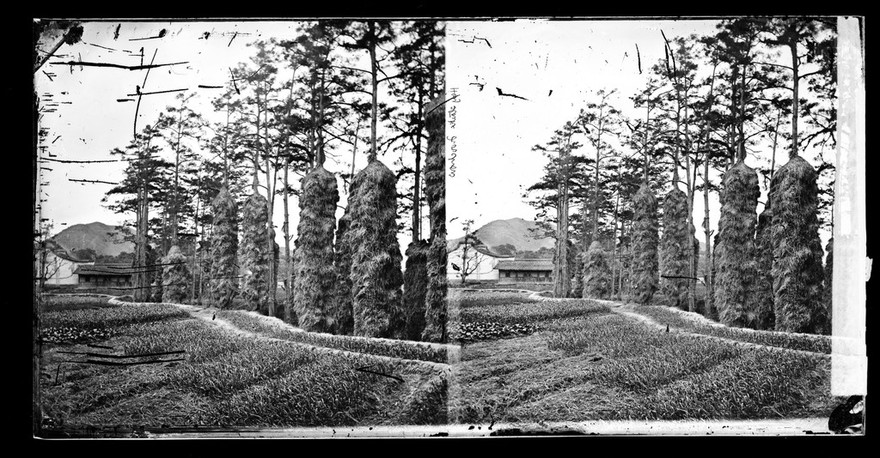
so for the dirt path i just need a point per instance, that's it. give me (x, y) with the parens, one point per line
(626, 310)
(208, 315)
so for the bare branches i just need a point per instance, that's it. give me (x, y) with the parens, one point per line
(126, 67)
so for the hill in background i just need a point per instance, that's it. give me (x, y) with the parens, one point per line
(104, 239)
(523, 235)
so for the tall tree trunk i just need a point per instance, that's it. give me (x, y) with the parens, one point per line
(288, 281)
(615, 267)
(562, 280)
(175, 196)
(195, 252)
(416, 216)
(271, 180)
(707, 252)
(773, 156)
(374, 67)
(795, 102)
(690, 185)
(596, 178)
(255, 158)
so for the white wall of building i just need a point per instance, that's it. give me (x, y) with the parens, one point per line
(59, 271)
(485, 265)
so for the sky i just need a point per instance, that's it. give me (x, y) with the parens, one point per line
(558, 66)
(89, 121)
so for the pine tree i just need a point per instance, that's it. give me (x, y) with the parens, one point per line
(375, 271)
(797, 252)
(254, 256)
(435, 190)
(828, 300)
(597, 278)
(674, 246)
(341, 312)
(313, 257)
(644, 245)
(224, 247)
(175, 276)
(736, 277)
(763, 288)
(415, 283)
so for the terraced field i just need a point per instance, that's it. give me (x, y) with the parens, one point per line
(585, 360)
(108, 364)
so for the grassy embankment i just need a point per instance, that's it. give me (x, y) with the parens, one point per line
(215, 378)
(578, 360)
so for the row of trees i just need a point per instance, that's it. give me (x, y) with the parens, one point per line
(204, 192)
(709, 105)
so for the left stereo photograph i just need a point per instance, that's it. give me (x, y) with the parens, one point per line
(239, 228)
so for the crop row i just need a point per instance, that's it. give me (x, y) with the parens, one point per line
(613, 367)
(225, 380)
(421, 351)
(73, 302)
(678, 319)
(470, 298)
(487, 330)
(83, 323)
(530, 313)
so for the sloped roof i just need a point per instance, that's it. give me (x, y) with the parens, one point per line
(526, 264)
(109, 269)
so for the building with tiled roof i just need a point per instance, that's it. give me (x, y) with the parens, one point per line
(105, 275)
(525, 271)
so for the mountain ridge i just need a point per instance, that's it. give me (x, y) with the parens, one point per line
(513, 231)
(103, 238)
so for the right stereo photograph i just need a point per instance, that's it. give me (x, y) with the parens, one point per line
(642, 222)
